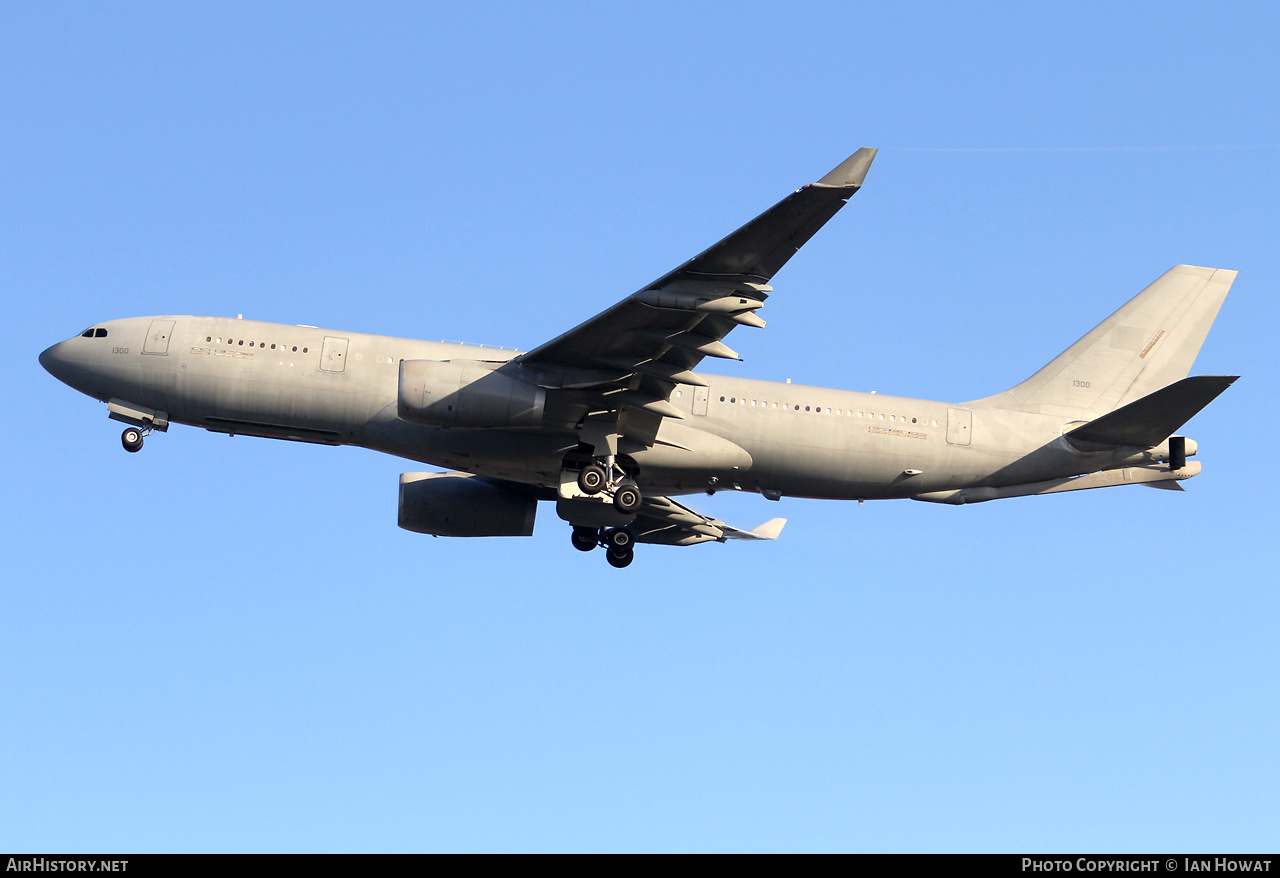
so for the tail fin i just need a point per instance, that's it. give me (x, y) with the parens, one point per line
(1148, 344)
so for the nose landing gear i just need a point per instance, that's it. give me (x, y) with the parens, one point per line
(141, 421)
(131, 439)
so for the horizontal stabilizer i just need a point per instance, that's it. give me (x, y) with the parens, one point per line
(1164, 486)
(1153, 418)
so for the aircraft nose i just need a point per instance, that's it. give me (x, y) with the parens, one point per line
(48, 357)
(55, 362)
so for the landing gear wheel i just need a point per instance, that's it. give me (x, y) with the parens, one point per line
(620, 558)
(585, 538)
(627, 498)
(592, 479)
(619, 538)
(131, 439)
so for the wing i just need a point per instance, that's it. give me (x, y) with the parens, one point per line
(664, 521)
(628, 359)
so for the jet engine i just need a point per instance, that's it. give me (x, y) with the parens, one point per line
(466, 393)
(462, 505)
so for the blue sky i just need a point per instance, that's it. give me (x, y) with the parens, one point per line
(227, 645)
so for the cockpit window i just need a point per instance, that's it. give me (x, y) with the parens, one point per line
(99, 333)
(88, 333)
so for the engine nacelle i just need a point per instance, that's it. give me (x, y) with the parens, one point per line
(461, 505)
(466, 393)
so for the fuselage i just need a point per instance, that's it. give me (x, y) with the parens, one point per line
(304, 383)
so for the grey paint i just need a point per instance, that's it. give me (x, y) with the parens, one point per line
(625, 381)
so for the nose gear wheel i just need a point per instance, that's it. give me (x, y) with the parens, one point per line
(131, 439)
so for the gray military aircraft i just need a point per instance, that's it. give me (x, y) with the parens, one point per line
(610, 420)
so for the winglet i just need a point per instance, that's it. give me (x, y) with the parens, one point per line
(769, 530)
(851, 172)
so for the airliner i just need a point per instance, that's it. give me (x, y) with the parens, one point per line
(611, 421)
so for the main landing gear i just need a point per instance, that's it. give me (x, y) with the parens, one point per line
(618, 542)
(595, 477)
(131, 439)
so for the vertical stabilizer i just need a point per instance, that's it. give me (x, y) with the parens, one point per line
(1148, 344)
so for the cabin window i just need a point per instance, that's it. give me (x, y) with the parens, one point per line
(722, 399)
(732, 400)
(242, 342)
(304, 350)
(295, 349)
